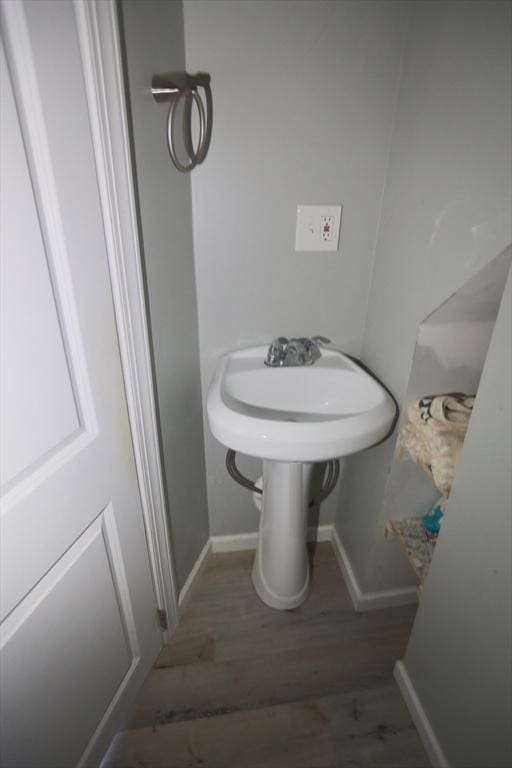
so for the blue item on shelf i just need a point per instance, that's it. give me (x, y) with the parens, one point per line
(431, 522)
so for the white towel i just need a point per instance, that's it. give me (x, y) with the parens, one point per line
(435, 433)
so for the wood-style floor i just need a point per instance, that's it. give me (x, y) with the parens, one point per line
(244, 686)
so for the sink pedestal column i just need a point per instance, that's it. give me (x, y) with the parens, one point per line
(281, 569)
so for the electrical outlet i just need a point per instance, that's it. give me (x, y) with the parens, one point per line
(318, 227)
(326, 223)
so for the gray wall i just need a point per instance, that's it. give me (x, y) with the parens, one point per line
(445, 214)
(154, 43)
(459, 653)
(304, 98)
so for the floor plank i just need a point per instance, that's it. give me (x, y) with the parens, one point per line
(243, 685)
(341, 730)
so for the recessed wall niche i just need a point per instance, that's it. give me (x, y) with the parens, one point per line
(449, 356)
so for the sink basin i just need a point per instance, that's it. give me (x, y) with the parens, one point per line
(296, 414)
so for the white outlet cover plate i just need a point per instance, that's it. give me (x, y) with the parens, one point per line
(308, 233)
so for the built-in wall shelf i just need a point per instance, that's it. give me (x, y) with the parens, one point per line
(449, 356)
(413, 542)
(423, 465)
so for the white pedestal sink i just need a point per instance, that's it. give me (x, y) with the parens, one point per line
(292, 417)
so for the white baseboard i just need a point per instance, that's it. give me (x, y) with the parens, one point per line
(193, 575)
(368, 601)
(420, 719)
(236, 543)
(241, 541)
(322, 533)
(363, 601)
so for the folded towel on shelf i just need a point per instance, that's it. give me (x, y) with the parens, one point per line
(449, 412)
(435, 432)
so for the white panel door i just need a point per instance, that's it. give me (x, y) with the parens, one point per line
(79, 628)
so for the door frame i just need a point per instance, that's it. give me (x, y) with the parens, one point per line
(101, 52)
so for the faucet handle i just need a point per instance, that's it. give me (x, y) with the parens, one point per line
(279, 345)
(276, 351)
(312, 348)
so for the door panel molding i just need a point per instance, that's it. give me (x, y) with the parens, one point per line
(25, 559)
(95, 552)
(95, 748)
(33, 127)
(23, 77)
(69, 698)
(36, 388)
(22, 613)
(102, 65)
(115, 555)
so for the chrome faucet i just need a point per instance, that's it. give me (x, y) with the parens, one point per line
(285, 352)
(276, 352)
